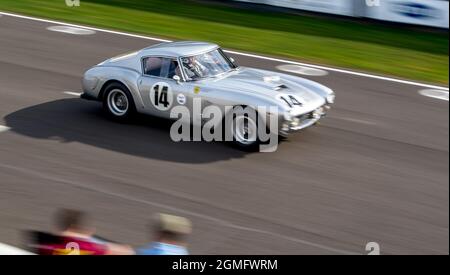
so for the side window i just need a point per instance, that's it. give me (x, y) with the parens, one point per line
(153, 66)
(162, 67)
(174, 69)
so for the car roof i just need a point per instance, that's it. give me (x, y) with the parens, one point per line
(179, 48)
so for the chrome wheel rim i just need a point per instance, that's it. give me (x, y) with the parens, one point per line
(118, 102)
(244, 130)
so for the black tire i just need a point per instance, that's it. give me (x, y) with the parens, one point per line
(115, 97)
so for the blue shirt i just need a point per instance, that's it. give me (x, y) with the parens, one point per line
(158, 248)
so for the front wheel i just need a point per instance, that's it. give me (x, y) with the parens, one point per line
(118, 102)
(245, 132)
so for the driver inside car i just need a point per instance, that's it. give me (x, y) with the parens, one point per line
(193, 68)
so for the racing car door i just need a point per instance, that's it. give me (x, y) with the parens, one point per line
(160, 86)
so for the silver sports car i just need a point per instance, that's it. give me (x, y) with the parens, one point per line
(157, 79)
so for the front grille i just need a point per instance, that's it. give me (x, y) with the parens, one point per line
(305, 116)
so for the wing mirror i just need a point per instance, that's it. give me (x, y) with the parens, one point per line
(177, 78)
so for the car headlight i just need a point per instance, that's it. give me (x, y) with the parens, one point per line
(330, 98)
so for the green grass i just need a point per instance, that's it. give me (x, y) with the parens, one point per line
(402, 52)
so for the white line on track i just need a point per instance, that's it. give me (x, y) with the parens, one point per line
(296, 69)
(408, 82)
(223, 222)
(355, 120)
(4, 128)
(438, 94)
(71, 30)
(72, 93)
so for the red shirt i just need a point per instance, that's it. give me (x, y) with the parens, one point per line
(49, 244)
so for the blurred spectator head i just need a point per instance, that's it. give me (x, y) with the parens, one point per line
(69, 220)
(171, 229)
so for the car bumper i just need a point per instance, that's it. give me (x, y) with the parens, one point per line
(303, 121)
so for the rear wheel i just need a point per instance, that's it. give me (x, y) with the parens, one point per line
(118, 102)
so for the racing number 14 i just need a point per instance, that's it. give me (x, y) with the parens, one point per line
(293, 101)
(161, 95)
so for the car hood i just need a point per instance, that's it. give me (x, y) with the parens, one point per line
(273, 85)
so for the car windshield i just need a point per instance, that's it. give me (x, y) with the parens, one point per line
(206, 65)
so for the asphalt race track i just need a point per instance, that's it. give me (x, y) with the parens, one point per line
(376, 169)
